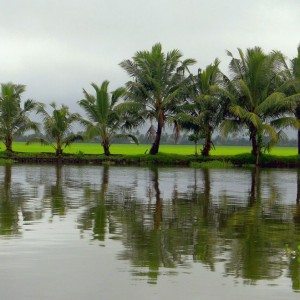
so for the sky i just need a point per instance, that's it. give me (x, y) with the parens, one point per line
(56, 48)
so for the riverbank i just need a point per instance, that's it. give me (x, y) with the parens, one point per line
(161, 159)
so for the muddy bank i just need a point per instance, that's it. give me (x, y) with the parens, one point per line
(266, 161)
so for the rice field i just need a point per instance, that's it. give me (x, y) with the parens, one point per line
(132, 149)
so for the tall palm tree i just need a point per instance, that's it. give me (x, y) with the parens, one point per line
(14, 120)
(106, 118)
(255, 102)
(58, 128)
(203, 111)
(296, 75)
(156, 84)
(291, 84)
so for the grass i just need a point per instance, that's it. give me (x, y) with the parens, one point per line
(131, 149)
(179, 155)
(213, 164)
(5, 161)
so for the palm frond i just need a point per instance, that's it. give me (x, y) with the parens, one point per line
(71, 138)
(41, 141)
(126, 135)
(229, 126)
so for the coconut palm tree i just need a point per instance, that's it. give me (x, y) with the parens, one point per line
(255, 102)
(106, 118)
(291, 84)
(58, 128)
(14, 120)
(203, 111)
(296, 75)
(157, 78)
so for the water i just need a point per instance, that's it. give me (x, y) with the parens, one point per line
(94, 232)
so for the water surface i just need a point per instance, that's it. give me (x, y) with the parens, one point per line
(71, 232)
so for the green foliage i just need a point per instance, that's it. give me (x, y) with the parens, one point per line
(290, 80)
(203, 109)
(132, 149)
(105, 117)
(57, 126)
(14, 120)
(156, 85)
(261, 95)
(255, 101)
(212, 164)
(5, 161)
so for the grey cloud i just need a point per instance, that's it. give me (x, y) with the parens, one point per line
(58, 47)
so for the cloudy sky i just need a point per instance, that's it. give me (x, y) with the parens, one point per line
(57, 47)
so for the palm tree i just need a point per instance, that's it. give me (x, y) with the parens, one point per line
(156, 84)
(296, 75)
(14, 120)
(203, 111)
(255, 102)
(57, 126)
(105, 117)
(291, 84)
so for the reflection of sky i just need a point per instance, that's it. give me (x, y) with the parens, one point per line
(235, 183)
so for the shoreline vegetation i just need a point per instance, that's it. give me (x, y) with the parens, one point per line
(171, 155)
(259, 98)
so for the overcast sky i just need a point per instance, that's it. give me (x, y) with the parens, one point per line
(58, 47)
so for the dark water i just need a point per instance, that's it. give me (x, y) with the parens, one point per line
(140, 233)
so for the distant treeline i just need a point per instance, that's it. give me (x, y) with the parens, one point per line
(168, 139)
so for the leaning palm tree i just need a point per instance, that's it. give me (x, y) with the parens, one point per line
(156, 84)
(106, 118)
(58, 128)
(255, 103)
(14, 120)
(204, 109)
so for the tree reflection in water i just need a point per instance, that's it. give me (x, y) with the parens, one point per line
(165, 227)
(8, 205)
(55, 192)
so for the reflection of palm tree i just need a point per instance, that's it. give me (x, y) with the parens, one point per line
(294, 270)
(294, 267)
(158, 203)
(100, 212)
(206, 193)
(7, 181)
(203, 230)
(58, 204)
(259, 233)
(297, 211)
(8, 208)
(298, 183)
(95, 217)
(255, 186)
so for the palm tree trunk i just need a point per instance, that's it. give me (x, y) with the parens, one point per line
(59, 150)
(160, 125)
(158, 204)
(255, 145)
(298, 187)
(8, 143)
(105, 145)
(207, 144)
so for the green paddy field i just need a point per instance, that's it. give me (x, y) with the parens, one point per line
(132, 149)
